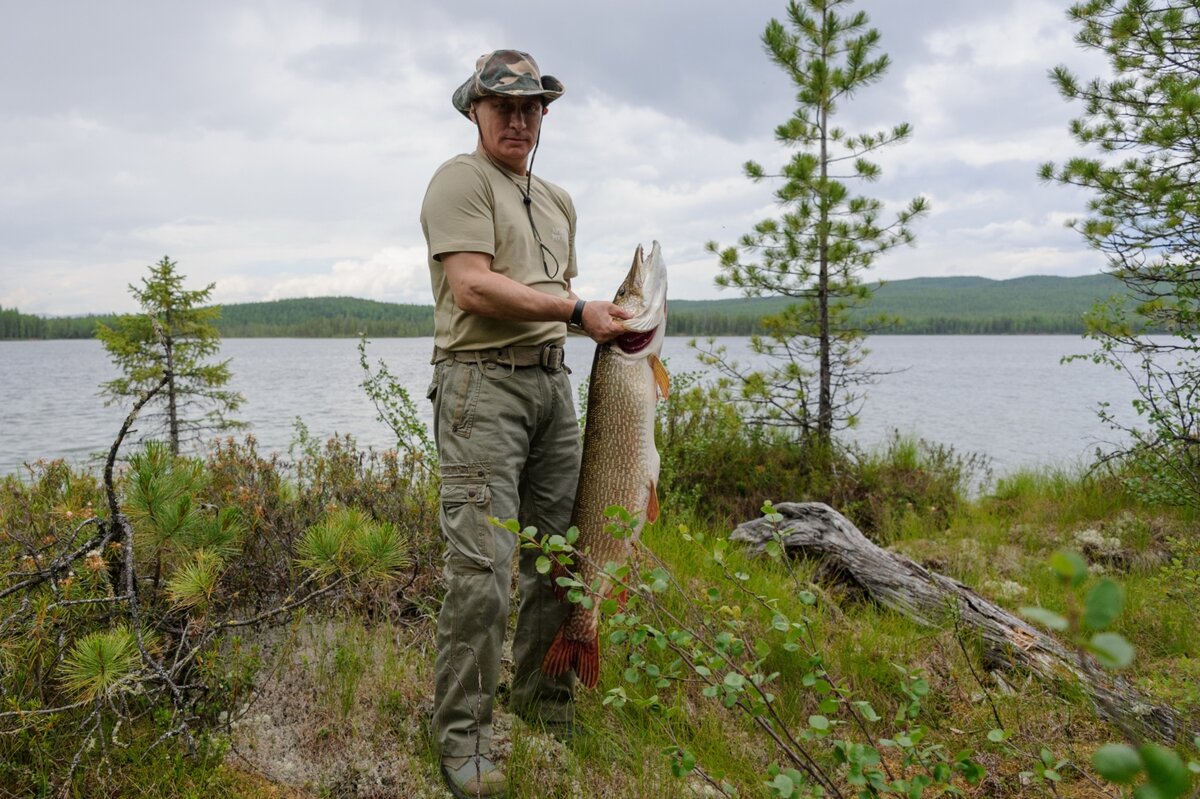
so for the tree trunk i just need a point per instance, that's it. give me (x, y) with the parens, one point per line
(926, 597)
(172, 408)
(825, 376)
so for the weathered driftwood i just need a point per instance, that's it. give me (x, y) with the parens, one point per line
(897, 582)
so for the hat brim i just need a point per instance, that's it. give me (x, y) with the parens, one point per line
(470, 91)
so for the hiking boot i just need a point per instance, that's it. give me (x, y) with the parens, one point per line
(555, 720)
(565, 732)
(473, 777)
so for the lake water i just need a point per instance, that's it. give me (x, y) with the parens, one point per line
(1008, 397)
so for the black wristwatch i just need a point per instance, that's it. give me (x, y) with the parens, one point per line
(577, 314)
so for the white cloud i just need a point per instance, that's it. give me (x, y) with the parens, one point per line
(285, 147)
(396, 274)
(1020, 34)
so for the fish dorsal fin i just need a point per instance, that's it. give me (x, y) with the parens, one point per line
(652, 504)
(661, 377)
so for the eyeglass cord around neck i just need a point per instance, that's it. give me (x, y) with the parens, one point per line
(527, 200)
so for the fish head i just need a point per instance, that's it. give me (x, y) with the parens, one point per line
(644, 294)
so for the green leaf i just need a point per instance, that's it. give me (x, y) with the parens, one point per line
(782, 785)
(542, 565)
(734, 680)
(1117, 763)
(682, 762)
(1165, 770)
(1103, 605)
(866, 711)
(972, 772)
(1112, 650)
(1070, 566)
(996, 735)
(1047, 618)
(819, 723)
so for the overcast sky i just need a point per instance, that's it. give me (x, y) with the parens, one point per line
(282, 149)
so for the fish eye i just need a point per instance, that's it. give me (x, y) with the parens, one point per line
(621, 291)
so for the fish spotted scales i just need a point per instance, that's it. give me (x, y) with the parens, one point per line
(620, 460)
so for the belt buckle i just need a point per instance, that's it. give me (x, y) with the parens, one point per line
(552, 356)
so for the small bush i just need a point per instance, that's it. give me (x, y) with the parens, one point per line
(908, 478)
(722, 468)
(716, 464)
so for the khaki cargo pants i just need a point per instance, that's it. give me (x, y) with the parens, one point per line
(508, 441)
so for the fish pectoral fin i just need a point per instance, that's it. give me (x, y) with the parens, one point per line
(660, 376)
(652, 504)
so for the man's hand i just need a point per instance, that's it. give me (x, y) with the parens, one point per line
(602, 320)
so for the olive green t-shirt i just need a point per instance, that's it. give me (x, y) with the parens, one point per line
(474, 205)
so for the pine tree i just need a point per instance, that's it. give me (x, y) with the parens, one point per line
(172, 337)
(1145, 217)
(824, 238)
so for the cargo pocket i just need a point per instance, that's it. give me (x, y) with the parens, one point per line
(469, 535)
(464, 394)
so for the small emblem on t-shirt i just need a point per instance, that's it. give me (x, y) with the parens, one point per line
(559, 234)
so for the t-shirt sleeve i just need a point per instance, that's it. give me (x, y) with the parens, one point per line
(457, 212)
(572, 264)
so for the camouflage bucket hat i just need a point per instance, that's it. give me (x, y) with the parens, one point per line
(506, 73)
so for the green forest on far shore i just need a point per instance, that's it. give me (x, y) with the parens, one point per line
(928, 305)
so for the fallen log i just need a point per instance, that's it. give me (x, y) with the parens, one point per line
(897, 582)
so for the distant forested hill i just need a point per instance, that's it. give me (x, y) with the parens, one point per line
(931, 305)
(325, 317)
(17, 325)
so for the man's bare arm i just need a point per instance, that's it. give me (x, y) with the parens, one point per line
(478, 290)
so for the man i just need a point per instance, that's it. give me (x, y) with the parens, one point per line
(501, 259)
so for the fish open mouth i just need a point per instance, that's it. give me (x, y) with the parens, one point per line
(633, 343)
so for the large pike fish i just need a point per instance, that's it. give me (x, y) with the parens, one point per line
(620, 460)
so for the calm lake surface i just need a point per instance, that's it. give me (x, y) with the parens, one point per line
(1008, 397)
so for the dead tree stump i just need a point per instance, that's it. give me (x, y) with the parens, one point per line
(813, 529)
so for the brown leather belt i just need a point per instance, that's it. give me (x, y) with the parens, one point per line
(549, 356)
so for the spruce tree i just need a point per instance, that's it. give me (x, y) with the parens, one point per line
(825, 236)
(173, 337)
(1144, 119)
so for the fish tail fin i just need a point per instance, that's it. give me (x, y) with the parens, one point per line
(582, 656)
